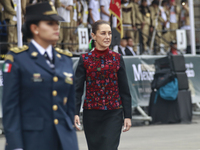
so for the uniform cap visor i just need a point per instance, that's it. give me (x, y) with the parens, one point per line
(43, 17)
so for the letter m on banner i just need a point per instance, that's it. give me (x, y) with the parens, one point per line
(115, 9)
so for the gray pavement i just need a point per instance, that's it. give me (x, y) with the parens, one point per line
(153, 137)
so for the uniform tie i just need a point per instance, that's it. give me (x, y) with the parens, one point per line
(49, 61)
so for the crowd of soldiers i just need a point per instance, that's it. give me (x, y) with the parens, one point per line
(141, 18)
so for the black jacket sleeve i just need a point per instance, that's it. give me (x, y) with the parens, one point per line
(80, 76)
(124, 90)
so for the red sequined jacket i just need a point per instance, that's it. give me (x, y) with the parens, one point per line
(106, 82)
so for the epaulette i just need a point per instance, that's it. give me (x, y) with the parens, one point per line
(64, 52)
(19, 49)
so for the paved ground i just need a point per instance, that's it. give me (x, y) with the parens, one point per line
(154, 137)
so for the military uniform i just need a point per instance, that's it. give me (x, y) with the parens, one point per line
(128, 19)
(9, 13)
(174, 26)
(38, 102)
(39, 98)
(83, 12)
(155, 12)
(138, 23)
(64, 35)
(74, 35)
(145, 12)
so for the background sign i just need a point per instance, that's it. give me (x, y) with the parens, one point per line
(181, 39)
(83, 38)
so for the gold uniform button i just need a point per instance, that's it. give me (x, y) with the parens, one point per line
(54, 93)
(55, 79)
(55, 121)
(55, 107)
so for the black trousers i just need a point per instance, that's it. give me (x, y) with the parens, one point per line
(103, 128)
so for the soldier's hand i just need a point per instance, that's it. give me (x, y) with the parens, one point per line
(77, 122)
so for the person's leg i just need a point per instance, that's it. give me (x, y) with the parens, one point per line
(66, 36)
(60, 35)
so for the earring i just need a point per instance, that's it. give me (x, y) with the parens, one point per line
(36, 32)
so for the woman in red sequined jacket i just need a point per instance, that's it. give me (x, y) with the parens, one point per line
(107, 104)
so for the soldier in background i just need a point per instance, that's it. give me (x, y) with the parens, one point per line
(83, 12)
(156, 16)
(128, 18)
(73, 25)
(174, 18)
(185, 20)
(138, 23)
(94, 11)
(64, 11)
(145, 11)
(11, 20)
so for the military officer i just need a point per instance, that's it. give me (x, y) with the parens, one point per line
(174, 19)
(145, 11)
(128, 18)
(38, 93)
(10, 16)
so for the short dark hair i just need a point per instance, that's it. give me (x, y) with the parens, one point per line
(95, 25)
(26, 28)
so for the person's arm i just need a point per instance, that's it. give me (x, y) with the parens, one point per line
(71, 97)
(133, 18)
(125, 95)
(91, 15)
(69, 7)
(8, 7)
(11, 104)
(23, 5)
(104, 12)
(124, 89)
(80, 76)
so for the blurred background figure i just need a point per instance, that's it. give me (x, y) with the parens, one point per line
(65, 10)
(129, 48)
(121, 48)
(174, 18)
(105, 13)
(165, 14)
(73, 24)
(185, 21)
(94, 11)
(10, 16)
(83, 12)
(128, 18)
(145, 11)
(138, 25)
(173, 48)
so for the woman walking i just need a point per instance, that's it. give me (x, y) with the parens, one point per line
(107, 101)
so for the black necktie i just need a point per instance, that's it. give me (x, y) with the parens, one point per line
(51, 64)
(47, 58)
(127, 51)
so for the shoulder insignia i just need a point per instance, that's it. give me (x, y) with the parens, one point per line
(64, 52)
(9, 57)
(19, 49)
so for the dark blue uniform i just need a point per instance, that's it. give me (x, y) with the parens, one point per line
(38, 102)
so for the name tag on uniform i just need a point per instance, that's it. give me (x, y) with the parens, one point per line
(37, 77)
